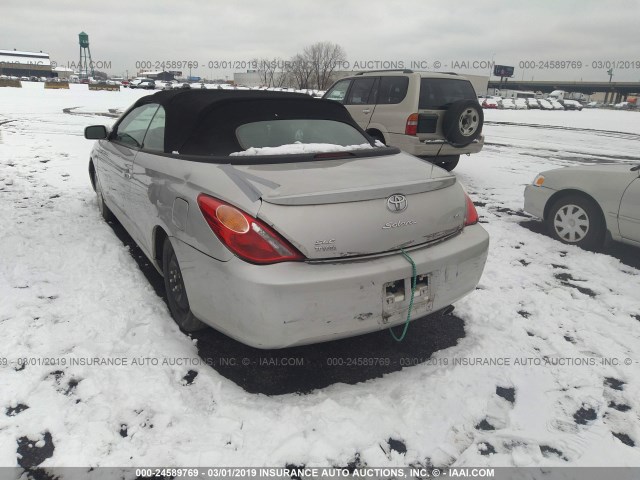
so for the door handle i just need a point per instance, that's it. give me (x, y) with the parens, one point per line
(366, 110)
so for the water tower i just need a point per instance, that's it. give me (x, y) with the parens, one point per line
(85, 66)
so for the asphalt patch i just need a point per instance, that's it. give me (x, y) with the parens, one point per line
(624, 438)
(485, 425)
(621, 407)
(397, 446)
(548, 452)
(614, 383)
(509, 211)
(508, 393)
(564, 280)
(30, 456)
(485, 448)
(584, 415)
(189, 377)
(13, 411)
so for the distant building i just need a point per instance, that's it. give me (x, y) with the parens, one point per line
(63, 73)
(25, 64)
(160, 75)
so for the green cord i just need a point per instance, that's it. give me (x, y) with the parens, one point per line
(414, 276)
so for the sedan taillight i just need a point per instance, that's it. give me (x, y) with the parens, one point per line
(247, 237)
(471, 214)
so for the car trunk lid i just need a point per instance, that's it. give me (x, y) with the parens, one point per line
(363, 206)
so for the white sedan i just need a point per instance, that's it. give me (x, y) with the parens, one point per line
(587, 205)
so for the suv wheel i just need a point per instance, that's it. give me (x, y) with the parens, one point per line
(462, 123)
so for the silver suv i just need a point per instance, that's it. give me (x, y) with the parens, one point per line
(435, 116)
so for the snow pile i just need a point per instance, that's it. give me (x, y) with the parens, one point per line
(299, 148)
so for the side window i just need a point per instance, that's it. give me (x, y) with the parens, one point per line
(392, 89)
(132, 129)
(339, 91)
(154, 139)
(360, 91)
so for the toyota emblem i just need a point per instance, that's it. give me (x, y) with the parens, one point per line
(397, 203)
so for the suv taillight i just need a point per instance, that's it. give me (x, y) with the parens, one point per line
(247, 237)
(471, 214)
(412, 125)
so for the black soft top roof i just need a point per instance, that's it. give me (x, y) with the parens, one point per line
(203, 122)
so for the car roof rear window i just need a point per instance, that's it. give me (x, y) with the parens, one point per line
(275, 133)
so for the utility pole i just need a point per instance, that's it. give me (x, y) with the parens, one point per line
(610, 72)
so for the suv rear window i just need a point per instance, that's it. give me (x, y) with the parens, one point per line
(439, 93)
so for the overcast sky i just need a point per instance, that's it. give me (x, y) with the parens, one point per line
(506, 31)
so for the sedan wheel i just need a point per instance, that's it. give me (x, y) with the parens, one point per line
(176, 292)
(576, 220)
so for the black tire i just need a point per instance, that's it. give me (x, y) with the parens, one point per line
(448, 163)
(462, 123)
(577, 220)
(106, 213)
(176, 292)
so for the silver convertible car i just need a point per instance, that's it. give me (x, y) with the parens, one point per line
(587, 206)
(276, 220)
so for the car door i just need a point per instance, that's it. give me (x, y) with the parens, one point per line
(629, 217)
(151, 195)
(360, 100)
(114, 169)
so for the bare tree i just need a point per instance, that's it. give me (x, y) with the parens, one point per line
(300, 71)
(325, 58)
(272, 72)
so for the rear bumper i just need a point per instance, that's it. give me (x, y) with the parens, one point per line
(289, 304)
(415, 147)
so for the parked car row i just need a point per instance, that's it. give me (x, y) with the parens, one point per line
(528, 103)
(28, 79)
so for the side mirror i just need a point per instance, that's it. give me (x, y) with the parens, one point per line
(95, 132)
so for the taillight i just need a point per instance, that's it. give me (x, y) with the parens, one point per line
(471, 215)
(412, 125)
(247, 237)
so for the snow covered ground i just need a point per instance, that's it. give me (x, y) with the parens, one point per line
(538, 367)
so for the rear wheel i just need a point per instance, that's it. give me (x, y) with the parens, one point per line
(176, 292)
(576, 220)
(107, 215)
